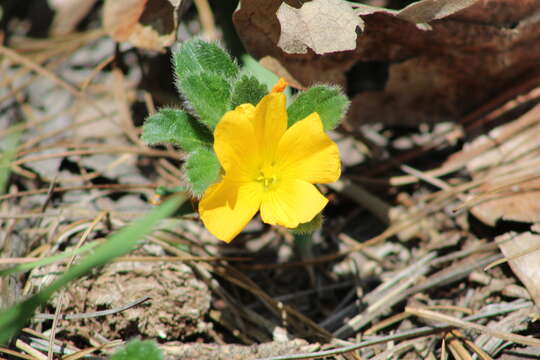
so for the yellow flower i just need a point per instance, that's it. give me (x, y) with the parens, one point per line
(268, 167)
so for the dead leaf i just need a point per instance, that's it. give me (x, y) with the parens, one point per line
(423, 12)
(433, 76)
(148, 24)
(327, 26)
(322, 25)
(523, 252)
(507, 159)
(275, 66)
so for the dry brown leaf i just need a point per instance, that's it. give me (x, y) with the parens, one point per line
(327, 26)
(425, 11)
(523, 252)
(321, 25)
(508, 159)
(148, 24)
(439, 75)
(275, 66)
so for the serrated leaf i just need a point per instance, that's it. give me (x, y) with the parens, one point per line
(247, 90)
(328, 102)
(139, 350)
(208, 94)
(176, 127)
(202, 170)
(197, 56)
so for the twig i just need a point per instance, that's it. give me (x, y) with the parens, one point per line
(93, 314)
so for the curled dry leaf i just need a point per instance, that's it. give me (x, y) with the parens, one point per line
(148, 24)
(523, 252)
(321, 25)
(468, 57)
(422, 12)
(507, 161)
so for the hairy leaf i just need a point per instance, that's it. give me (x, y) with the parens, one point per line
(197, 56)
(202, 170)
(208, 94)
(247, 90)
(176, 127)
(327, 101)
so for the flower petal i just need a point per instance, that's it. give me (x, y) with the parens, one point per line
(305, 152)
(291, 203)
(227, 207)
(270, 123)
(235, 143)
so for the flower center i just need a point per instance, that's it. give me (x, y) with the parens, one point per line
(267, 177)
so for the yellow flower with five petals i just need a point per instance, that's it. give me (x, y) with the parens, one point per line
(268, 167)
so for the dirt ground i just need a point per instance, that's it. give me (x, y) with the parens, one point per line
(429, 248)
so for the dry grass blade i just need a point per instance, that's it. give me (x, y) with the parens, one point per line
(471, 345)
(16, 354)
(14, 56)
(30, 350)
(453, 321)
(403, 335)
(116, 187)
(456, 347)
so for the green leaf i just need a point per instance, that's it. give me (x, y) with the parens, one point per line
(247, 90)
(202, 169)
(208, 94)
(7, 153)
(176, 127)
(139, 350)
(328, 102)
(120, 243)
(197, 56)
(48, 260)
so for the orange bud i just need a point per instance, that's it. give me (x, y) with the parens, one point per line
(280, 85)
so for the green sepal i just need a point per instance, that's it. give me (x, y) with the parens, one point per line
(167, 191)
(208, 94)
(202, 169)
(197, 56)
(247, 90)
(139, 350)
(310, 226)
(176, 127)
(329, 102)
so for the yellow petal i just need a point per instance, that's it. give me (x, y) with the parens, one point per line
(305, 152)
(291, 203)
(227, 207)
(270, 123)
(235, 143)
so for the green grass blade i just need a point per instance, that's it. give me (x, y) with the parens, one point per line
(139, 350)
(7, 153)
(13, 318)
(48, 260)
